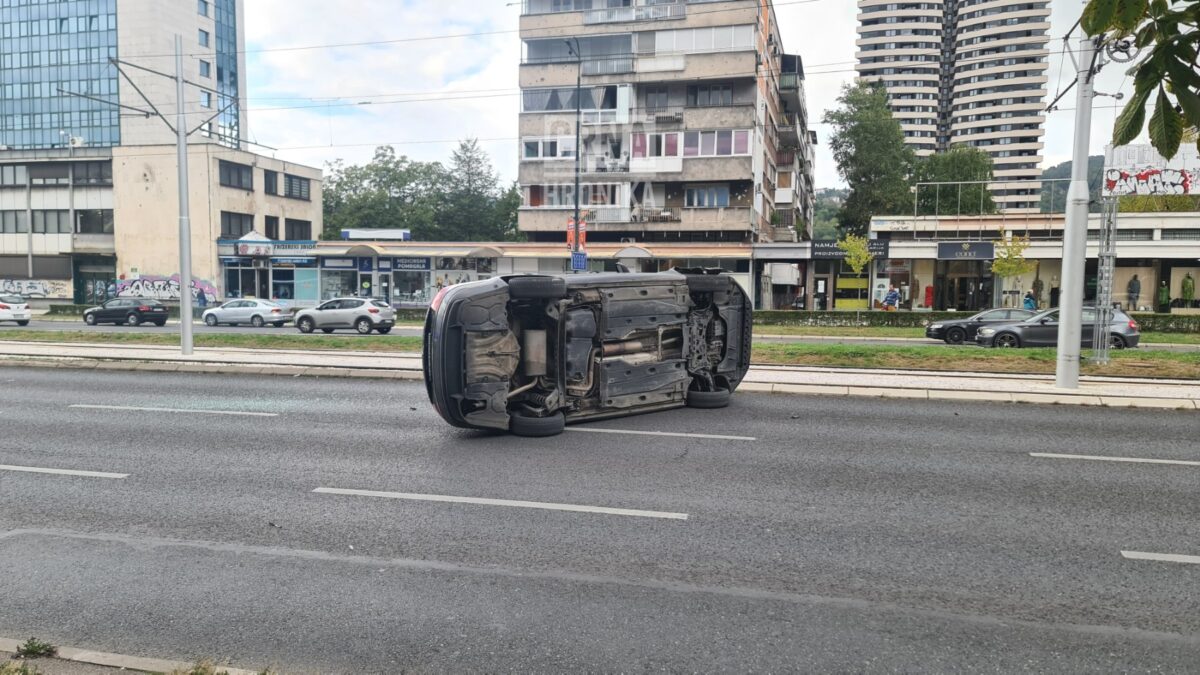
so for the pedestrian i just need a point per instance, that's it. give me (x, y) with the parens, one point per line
(891, 301)
(1030, 302)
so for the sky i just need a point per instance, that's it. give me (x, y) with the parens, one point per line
(425, 89)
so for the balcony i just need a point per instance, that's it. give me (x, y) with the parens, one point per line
(789, 132)
(791, 82)
(611, 65)
(662, 12)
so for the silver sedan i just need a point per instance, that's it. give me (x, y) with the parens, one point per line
(257, 313)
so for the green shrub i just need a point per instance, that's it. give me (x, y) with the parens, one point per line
(34, 648)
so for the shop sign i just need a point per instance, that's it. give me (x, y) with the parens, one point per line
(292, 261)
(255, 248)
(384, 264)
(966, 250)
(827, 249)
(411, 264)
(366, 264)
(338, 263)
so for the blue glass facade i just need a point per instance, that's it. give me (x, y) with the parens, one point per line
(46, 45)
(229, 121)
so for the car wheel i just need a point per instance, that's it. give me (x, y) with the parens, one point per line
(22, 323)
(305, 325)
(210, 320)
(363, 326)
(256, 321)
(707, 283)
(327, 331)
(537, 288)
(133, 320)
(89, 319)
(1007, 341)
(384, 330)
(956, 336)
(708, 399)
(537, 427)
(1116, 342)
(160, 324)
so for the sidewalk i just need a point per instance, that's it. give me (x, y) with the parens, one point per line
(925, 385)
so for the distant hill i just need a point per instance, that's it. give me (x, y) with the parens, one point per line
(1054, 195)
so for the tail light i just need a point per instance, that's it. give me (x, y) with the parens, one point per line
(373, 310)
(144, 308)
(3, 306)
(276, 311)
(1133, 325)
(437, 299)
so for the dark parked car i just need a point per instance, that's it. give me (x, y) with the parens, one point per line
(531, 353)
(129, 311)
(1041, 330)
(958, 331)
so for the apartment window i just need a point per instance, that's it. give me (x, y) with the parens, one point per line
(548, 148)
(236, 175)
(706, 197)
(295, 187)
(564, 195)
(656, 145)
(94, 221)
(202, 36)
(13, 222)
(271, 184)
(202, 7)
(93, 173)
(297, 230)
(51, 222)
(656, 98)
(272, 226)
(236, 225)
(701, 96)
(205, 69)
(716, 143)
(206, 99)
(12, 175)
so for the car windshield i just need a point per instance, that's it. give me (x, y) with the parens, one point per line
(1052, 315)
(12, 299)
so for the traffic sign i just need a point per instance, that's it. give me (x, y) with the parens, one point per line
(579, 261)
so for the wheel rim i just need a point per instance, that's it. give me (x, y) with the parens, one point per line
(90, 320)
(364, 326)
(1006, 341)
(257, 322)
(306, 326)
(132, 320)
(955, 336)
(211, 320)
(1115, 342)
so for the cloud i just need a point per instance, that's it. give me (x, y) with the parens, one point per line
(321, 89)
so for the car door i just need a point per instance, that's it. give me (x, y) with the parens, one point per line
(1087, 333)
(325, 316)
(347, 312)
(1043, 332)
(990, 318)
(113, 310)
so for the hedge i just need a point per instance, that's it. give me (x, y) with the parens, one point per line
(402, 315)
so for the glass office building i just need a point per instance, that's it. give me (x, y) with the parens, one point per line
(50, 47)
(228, 121)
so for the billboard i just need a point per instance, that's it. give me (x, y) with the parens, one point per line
(1140, 170)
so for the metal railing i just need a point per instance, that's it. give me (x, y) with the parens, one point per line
(641, 13)
(613, 65)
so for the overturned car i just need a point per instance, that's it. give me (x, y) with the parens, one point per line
(529, 354)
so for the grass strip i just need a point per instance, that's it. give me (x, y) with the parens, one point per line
(372, 343)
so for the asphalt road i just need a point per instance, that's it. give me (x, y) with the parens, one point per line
(781, 534)
(201, 329)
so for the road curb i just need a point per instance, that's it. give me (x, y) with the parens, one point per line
(856, 391)
(122, 661)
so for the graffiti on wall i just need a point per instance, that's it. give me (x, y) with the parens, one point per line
(164, 288)
(36, 288)
(1151, 181)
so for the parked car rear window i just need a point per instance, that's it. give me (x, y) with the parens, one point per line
(380, 303)
(12, 299)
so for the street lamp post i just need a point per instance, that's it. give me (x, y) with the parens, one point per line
(576, 248)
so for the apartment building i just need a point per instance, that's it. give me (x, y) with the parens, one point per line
(965, 72)
(88, 191)
(694, 123)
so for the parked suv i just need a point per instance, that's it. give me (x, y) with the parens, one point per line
(129, 311)
(362, 314)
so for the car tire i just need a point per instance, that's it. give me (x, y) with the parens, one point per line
(160, 324)
(707, 283)
(257, 321)
(708, 399)
(89, 319)
(537, 288)
(305, 325)
(327, 331)
(22, 323)
(364, 326)
(1007, 341)
(210, 320)
(537, 427)
(384, 330)
(133, 320)
(956, 336)
(1116, 342)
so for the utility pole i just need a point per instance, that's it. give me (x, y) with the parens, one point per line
(575, 248)
(1074, 258)
(185, 225)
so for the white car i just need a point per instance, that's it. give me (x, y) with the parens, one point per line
(14, 308)
(257, 313)
(362, 314)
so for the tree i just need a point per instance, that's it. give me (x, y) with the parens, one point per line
(389, 192)
(858, 254)
(1167, 35)
(960, 164)
(1054, 194)
(871, 156)
(825, 213)
(472, 201)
